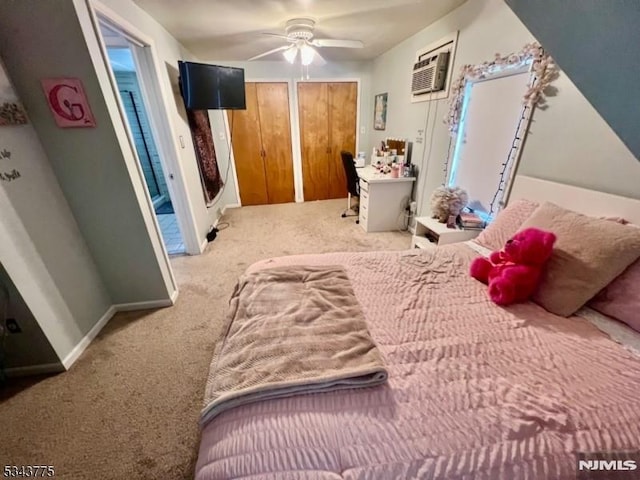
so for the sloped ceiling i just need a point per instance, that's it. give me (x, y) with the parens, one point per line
(233, 29)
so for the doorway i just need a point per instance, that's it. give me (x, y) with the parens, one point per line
(131, 90)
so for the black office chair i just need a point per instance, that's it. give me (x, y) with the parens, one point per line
(353, 182)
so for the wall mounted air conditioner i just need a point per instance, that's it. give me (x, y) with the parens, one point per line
(430, 74)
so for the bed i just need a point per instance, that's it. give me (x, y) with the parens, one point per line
(474, 390)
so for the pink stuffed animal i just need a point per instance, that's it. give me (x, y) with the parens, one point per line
(514, 273)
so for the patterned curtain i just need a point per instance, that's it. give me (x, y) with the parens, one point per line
(205, 153)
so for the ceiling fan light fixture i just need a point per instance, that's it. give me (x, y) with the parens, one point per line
(307, 53)
(290, 54)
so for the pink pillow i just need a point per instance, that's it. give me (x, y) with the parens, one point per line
(506, 224)
(589, 254)
(621, 298)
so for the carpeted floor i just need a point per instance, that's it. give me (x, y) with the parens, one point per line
(128, 408)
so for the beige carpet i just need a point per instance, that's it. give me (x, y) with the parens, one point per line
(128, 409)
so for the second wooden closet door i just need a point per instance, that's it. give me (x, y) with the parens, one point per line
(327, 126)
(262, 145)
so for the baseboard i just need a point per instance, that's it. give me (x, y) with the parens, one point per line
(232, 205)
(127, 307)
(174, 297)
(34, 370)
(93, 333)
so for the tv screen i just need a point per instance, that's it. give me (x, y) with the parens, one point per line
(212, 87)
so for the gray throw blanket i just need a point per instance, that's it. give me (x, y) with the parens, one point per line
(291, 330)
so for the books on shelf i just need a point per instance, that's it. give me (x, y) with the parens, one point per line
(471, 221)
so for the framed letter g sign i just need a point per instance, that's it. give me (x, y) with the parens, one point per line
(68, 102)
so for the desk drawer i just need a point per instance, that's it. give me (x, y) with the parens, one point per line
(364, 198)
(364, 223)
(364, 185)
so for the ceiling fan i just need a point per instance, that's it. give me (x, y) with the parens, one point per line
(299, 35)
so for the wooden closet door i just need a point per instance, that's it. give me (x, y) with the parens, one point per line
(275, 128)
(314, 138)
(343, 101)
(247, 151)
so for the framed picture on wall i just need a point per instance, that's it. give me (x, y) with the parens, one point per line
(380, 112)
(11, 110)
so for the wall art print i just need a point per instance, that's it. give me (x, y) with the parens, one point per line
(11, 110)
(380, 112)
(68, 102)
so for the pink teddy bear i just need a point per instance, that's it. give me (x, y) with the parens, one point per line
(513, 274)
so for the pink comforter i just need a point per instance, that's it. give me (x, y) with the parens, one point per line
(475, 391)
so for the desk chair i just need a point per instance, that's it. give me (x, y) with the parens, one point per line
(353, 182)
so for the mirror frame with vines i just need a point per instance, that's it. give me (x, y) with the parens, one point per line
(543, 70)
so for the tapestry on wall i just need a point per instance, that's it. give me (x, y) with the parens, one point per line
(205, 153)
(11, 111)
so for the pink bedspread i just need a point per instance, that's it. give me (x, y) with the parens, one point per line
(475, 391)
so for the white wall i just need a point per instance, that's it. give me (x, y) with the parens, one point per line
(44, 252)
(568, 142)
(283, 71)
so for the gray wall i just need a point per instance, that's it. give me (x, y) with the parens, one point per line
(30, 347)
(568, 142)
(43, 250)
(41, 39)
(596, 44)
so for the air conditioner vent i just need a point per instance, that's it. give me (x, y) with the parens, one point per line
(429, 75)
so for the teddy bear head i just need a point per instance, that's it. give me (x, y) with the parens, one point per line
(530, 246)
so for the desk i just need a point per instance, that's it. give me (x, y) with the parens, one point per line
(383, 200)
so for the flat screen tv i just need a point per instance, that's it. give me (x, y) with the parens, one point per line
(212, 87)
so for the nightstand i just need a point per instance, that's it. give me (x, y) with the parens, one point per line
(431, 233)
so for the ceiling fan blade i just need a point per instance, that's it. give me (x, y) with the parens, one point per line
(329, 42)
(279, 49)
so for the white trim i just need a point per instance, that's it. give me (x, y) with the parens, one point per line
(93, 333)
(434, 47)
(128, 307)
(34, 370)
(168, 149)
(296, 144)
(205, 242)
(231, 156)
(174, 297)
(231, 205)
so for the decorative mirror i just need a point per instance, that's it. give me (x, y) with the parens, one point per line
(490, 109)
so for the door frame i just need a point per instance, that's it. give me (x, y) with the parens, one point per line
(148, 67)
(296, 138)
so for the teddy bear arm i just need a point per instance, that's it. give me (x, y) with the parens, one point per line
(480, 269)
(524, 279)
(520, 273)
